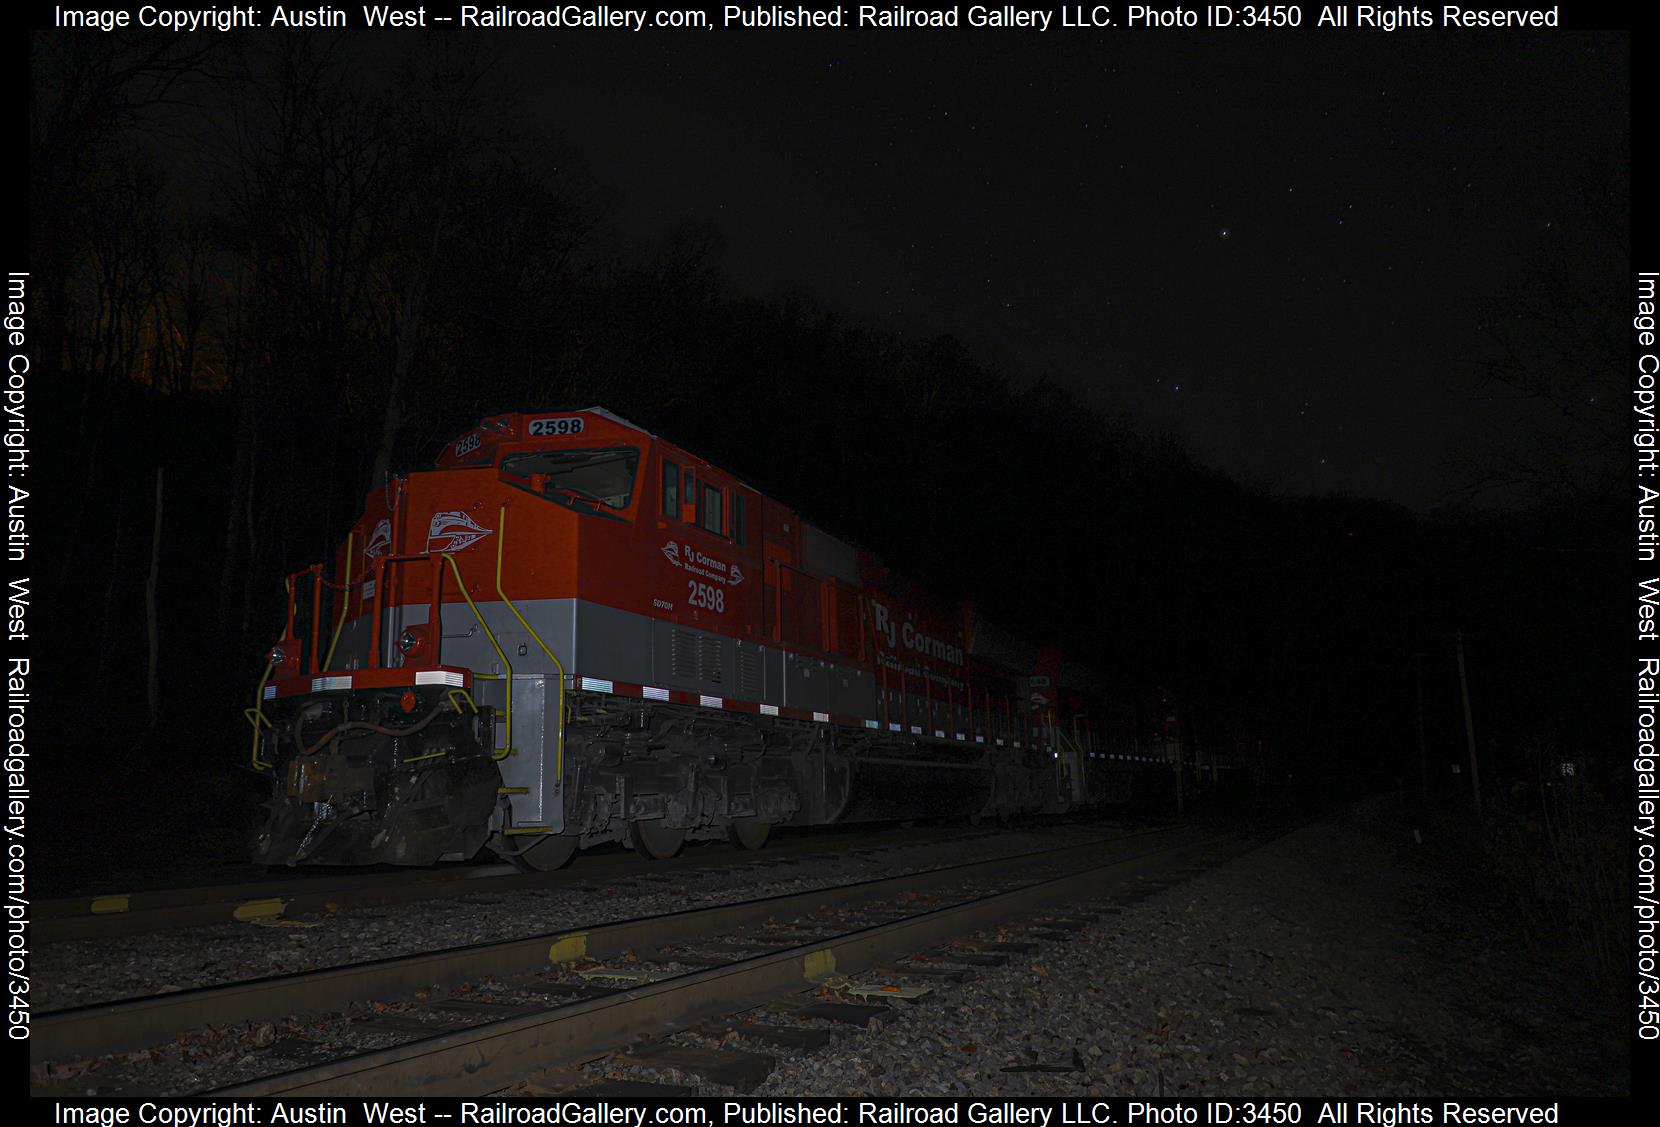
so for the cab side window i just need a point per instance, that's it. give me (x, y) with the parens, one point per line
(671, 490)
(711, 511)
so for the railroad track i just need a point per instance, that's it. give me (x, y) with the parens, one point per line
(483, 1018)
(112, 915)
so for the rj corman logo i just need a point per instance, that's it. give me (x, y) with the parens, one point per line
(379, 540)
(453, 531)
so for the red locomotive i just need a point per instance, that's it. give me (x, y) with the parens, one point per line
(571, 631)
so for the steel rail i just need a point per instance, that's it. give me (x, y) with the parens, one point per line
(138, 1023)
(490, 1057)
(137, 913)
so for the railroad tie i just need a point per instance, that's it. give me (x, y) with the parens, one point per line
(782, 940)
(1076, 1065)
(946, 974)
(663, 958)
(398, 1023)
(486, 1009)
(974, 959)
(744, 947)
(736, 1069)
(888, 991)
(784, 1036)
(300, 1050)
(843, 1013)
(632, 1090)
(567, 991)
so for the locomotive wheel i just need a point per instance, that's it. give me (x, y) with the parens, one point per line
(550, 852)
(749, 833)
(655, 841)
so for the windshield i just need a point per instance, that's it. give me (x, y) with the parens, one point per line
(604, 476)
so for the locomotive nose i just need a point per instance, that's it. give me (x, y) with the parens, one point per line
(364, 780)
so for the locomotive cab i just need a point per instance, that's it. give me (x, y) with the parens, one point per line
(598, 481)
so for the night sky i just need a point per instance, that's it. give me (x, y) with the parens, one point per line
(1279, 247)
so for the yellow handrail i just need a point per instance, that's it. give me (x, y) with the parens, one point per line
(1079, 736)
(559, 708)
(505, 664)
(345, 601)
(258, 716)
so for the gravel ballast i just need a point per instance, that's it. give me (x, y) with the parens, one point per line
(1340, 960)
(82, 972)
(1343, 959)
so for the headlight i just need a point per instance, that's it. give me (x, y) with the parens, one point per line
(415, 643)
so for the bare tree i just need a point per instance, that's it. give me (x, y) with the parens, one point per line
(1553, 369)
(303, 167)
(151, 622)
(88, 96)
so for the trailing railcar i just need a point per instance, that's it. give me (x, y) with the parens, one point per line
(571, 631)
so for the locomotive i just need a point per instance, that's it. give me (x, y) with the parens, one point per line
(571, 631)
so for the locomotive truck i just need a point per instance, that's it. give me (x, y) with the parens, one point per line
(571, 631)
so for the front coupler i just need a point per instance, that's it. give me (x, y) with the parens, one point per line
(399, 776)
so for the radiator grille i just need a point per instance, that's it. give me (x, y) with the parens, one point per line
(749, 672)
(683, 653)
(695, 655)
(709, 652)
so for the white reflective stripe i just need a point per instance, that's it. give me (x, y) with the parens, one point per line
(870, 723)
(979, 739)
(892, 727)
(960, 736)
(270, 692)
(324, 684)
(821, 717)
(597, 685)
(439, 677)
(916, 730)
(709, 702)
(939, 734)
(769, 710)
(652, 692)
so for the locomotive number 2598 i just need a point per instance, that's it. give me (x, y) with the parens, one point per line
(555, 426)
(705, 596)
